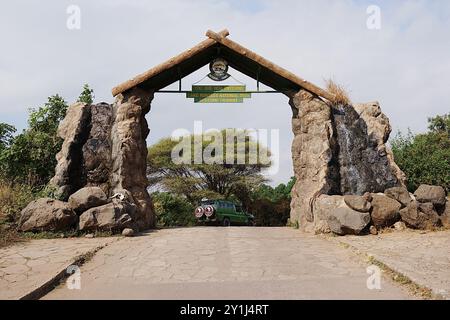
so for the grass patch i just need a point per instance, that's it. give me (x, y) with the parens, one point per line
(340, 94)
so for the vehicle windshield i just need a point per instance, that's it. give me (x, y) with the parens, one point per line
(207, 202)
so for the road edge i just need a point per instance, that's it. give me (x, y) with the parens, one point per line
(52, 283)
(394, 274)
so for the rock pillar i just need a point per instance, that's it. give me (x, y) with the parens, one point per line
(129, 152)
(312, 155)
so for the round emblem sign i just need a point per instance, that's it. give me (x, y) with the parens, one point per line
(219, 70)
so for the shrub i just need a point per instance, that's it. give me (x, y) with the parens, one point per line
(173, 210)
(425, 158)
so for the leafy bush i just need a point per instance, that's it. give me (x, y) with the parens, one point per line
(172, 210)
(425, 158)
(272, 206)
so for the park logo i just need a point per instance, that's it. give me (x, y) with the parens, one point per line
(219, 70)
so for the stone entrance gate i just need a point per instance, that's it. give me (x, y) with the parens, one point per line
(337, 149)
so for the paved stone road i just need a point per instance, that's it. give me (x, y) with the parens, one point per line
(225, 263)
(27, 266)
(422, 257)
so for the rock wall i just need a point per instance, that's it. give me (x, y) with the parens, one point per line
(337, 150)
(105, 146)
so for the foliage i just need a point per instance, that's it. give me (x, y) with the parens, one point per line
(272, 206)
(172, 210)
(440, 124)
(87, 95)
(6, 135)
(214, 179)
(36, 147)
(282, 191)
(425, 158)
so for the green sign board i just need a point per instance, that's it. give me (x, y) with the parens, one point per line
(218, 94)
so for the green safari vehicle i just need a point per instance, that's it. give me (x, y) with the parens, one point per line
(223, 213)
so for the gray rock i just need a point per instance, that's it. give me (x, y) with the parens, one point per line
(400, 226)
(325, 204)
(364, 165)
(433, 194)
(128, 232)
(89, 236)
(87, 198)
(400, 194)
(420, 216)
(74, 130)
(97, 149)
(445, 217)
(344, 221)
(358, 203)
(385, 211)
(47, 215)
(109, 217)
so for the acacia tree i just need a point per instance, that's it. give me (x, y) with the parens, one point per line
(213, 165)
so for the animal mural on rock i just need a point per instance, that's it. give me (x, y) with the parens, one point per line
(346, 177)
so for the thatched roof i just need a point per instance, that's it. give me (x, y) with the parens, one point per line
(238, 57)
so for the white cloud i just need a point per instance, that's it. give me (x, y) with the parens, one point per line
(405, 65)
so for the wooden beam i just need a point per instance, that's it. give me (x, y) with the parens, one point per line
(269, 65)
(167, 65)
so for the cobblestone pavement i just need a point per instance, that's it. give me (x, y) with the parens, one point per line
(226, 263)
(29, 265)
(422, 257)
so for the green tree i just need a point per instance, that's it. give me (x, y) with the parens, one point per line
(35, 148)
(440, 124)
(6, 135)
(214, 178)
(425, 158)
(87, 95)
(271, 206)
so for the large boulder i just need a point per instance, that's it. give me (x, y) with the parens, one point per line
(113, 216)
(87, 198)
(385, 211)
(323, 207)
(358, 203)
(420, 216)
(47, 215)
(344, 221)
(433, 194)
(400, 194)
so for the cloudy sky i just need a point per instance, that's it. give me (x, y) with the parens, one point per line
(405, 65)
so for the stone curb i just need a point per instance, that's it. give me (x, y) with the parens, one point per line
(395, 272)
(50, 284)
